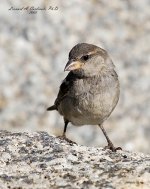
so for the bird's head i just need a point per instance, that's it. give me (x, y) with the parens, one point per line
(88, 59)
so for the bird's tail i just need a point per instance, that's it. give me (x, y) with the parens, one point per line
(51, 108)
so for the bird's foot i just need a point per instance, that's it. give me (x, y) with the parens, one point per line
(112, 148)
(63, 137)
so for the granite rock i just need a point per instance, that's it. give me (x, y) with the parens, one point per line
(40, 161)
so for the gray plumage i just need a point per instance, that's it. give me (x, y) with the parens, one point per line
(88, 95)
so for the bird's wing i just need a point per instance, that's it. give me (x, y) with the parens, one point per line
(65, 87)
(63, 90)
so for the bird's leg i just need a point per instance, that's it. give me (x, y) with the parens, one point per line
(65, 128)
(110, 144)
(63, 137)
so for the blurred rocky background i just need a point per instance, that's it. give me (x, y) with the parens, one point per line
(34, 50)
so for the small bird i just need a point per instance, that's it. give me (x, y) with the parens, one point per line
(90, 91)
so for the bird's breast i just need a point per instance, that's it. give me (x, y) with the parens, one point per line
(90, 102)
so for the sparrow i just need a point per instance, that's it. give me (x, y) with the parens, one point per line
(90, 91)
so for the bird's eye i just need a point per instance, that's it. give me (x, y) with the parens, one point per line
(85, 57)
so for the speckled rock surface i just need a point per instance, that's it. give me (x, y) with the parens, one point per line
(37, 160)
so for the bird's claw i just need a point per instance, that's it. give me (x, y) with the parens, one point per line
(112, 148)
(66, 139)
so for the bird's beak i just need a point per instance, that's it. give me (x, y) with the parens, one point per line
(73, 65)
